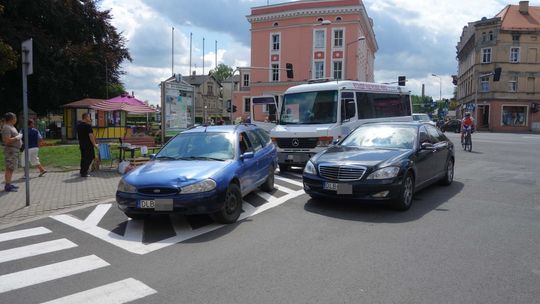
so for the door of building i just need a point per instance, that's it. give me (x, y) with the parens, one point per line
(483, 117)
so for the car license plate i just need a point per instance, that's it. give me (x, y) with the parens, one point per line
(147, 204)
(339, 188)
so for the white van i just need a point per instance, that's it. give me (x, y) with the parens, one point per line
(313, 115)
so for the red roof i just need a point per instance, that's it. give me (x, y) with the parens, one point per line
(512, 19)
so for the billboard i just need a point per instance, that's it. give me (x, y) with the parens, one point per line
(177, 104)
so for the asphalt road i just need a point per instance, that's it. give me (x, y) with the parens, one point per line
(476, 241)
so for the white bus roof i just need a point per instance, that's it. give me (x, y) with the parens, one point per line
(347, 85)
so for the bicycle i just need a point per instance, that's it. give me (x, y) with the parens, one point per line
(467, 140)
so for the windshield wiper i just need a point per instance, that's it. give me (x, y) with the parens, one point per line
(165, 157)
(199, 158)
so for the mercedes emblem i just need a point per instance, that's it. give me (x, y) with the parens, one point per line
(295, 142)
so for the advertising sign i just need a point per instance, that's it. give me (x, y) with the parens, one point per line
(177, 106)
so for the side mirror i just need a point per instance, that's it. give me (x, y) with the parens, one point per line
(152, 156)
(426, 146)
(247, 155)
(335, 142)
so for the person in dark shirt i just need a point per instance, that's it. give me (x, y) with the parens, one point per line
(87, 142)
(34, 139)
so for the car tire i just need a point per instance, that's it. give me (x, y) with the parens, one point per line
(283, 167)
(268, 184)
(404, 201)
(232, 206)
(449, 175)
(137, 216)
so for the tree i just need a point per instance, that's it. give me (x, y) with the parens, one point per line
(222, 72)
(76, 52)
(8, 59)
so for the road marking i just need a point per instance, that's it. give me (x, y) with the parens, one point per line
(290, 181)
(13, 235)
(49, 272)
(118, 292)
(35, 249)
(132, 240)
(284, 189)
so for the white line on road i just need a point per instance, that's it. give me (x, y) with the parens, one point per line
(49, 272)
(134, 230)
(35, 249)
(118, 292)
(99, 212)
(290, 181)
(13, 235)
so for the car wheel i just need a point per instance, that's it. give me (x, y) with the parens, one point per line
(137, 216)
(283, 167)
(449, 176)
(232, 207)
(404, 201)
(268, 184)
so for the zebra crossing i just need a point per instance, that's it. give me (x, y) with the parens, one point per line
(145, 236)
(121, 291)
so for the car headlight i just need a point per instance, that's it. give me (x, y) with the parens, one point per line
(203, 186)
(384, 173)
(123, 186)
(310, 168)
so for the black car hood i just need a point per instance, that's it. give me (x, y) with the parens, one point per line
(361, 156)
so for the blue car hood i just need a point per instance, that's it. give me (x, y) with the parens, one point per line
(174, 173)
(360, 156)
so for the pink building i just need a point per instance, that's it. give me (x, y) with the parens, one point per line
(321, 38)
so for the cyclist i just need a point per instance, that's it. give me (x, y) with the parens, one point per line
(467, 124)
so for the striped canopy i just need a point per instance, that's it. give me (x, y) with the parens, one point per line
(124, 102)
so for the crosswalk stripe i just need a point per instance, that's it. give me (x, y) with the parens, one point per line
(118, 292)
(99, 212)
(284, 189)
(265, 195)
(35, 249)
(290, 181)
(49, 272)
(13, 235)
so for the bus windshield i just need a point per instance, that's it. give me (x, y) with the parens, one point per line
(318, 107)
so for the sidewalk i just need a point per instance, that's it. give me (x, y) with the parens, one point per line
(54, 192)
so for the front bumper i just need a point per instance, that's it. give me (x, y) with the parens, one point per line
(294, 158)
(362, 190)
(196, 203)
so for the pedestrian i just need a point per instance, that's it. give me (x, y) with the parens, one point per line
(87, 142)
(12, 144)
(34, 141)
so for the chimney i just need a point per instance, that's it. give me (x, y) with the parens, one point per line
(524, 7)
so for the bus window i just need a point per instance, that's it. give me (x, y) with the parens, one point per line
(348, 109)
(319, 107)
(372, 105)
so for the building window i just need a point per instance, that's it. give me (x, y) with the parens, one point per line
(490, 36)
(275, 42)
(245, 80)
(276, 24)
(530, 84)
(275, 72)
(514, 55)
(209, 89)
(247, 104)
(338, 69)
(514, 116)
(512, 85)
(319, 69)
(483, 36)
(484, 84)
(319, 39)
(338, 38)
(486, 55)
(515, 37)
(338, 18)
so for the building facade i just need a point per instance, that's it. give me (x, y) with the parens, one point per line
(320, 38)
(208, 102)
(509, 43)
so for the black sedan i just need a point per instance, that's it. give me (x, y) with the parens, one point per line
(453, 125)
(382, 162)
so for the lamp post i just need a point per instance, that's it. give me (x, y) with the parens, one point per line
(440, 86)
(347, 48)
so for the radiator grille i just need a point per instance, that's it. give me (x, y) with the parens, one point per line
(341, 173)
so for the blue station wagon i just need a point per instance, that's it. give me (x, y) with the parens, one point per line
(203, 170)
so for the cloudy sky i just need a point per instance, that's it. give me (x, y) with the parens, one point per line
(416, 38)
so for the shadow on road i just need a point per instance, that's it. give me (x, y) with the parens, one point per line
(425, 201)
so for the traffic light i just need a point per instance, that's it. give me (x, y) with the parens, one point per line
(497, 74)
(289, 69)
(401, 80)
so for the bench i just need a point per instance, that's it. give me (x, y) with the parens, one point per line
(136, 142)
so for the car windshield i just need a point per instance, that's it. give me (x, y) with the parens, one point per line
(421, 117)
(199, 146)
(397, 137)
(318, 107)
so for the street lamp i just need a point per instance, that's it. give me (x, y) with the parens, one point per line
(440, 86)
(347, 47)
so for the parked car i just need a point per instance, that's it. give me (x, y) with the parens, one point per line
(452, 125)
(423, 117)
(204, 170)
(382, 162)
